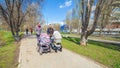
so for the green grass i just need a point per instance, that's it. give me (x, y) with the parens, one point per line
(96, 37)
(106, 54)
(7, 51)
(106, 38)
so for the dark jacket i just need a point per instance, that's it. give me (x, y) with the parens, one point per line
(50, 30)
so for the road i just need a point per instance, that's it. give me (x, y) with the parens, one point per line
(30, 58)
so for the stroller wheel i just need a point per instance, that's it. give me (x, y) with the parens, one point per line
(41, 51)
(49, 50)
(60, 49)
(38, 44)
(56, 50)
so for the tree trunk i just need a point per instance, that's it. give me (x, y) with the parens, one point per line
(83, 41)
(17, 38)
(78, 28)
(100, 33)
(70, 29)
(17, 34)
(12, 31)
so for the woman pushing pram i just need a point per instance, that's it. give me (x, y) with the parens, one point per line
(55, 38)
(43, 40)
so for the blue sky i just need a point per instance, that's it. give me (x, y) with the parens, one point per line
(54, 11)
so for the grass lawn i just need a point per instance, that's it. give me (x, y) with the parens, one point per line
(106, 54)
(106, 38)
(96, 37)
(7, 50)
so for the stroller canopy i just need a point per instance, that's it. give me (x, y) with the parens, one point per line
(44, 39)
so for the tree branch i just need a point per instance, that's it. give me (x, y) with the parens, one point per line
(96, 16)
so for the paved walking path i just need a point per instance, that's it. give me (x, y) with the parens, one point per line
(30, 58)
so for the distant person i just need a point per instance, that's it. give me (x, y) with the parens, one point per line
(31, 30)
(26, 31)
(50, 30)
(38, 30)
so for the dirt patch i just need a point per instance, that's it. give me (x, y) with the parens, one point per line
(16, 56)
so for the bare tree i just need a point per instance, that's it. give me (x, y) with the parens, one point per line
(72, 20)
(86, 11)
(33, 16)
(77, 14)
(14, 12)
(75, 21)
(57, 26)
(68, 20)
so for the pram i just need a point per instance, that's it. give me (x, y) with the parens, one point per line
(56, 41)
(44, 43)
(57, 45)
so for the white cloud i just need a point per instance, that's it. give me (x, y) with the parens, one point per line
(66, 4)
(61, 6)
